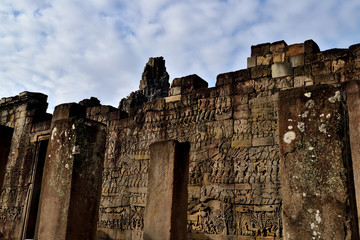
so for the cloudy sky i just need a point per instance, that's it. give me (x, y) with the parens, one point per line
(74, 49)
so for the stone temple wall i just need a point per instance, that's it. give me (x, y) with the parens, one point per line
(273, 149)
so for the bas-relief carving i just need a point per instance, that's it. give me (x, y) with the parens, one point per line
(233, 189)
(124, 218)
(10, 213)
(234, 160)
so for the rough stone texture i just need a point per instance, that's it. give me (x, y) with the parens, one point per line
(317, 197)
(352, 89)
(72, 179)
(311, 47)
(234, 180)
(167, 194)
(154, 84)
(295, 49)
(68, 110)
(92, 102)
(260, 49)
(251, 62)
(20, 113)
(281, 70)
(189, 83)
(297, 60)
(278, 47)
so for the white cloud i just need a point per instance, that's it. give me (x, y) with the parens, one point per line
(72, 50)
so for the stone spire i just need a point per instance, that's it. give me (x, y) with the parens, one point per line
(154, 84)
(155, 80)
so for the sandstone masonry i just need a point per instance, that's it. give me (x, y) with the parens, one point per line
(270, 152)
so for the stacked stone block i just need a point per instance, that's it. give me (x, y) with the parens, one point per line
(316, 173)
(19, 113)
(72, 176)
(236, 131)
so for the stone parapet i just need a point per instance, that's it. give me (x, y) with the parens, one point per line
(32, 98)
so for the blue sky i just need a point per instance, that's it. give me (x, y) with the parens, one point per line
(75, 49)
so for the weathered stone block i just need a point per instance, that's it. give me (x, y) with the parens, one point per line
(72, 180)
(302, 70)
(281, 70)
(263, 102)
(352, 89)
(241, 111)
(233, 77)
(357, 63)
(68, 110)
(251, 62)
(167, 194)
(258, 72)
(241, 140)
(355, 49)
(226, 90)
(260, 50)
(243, 75)
(314, 58)
(338, 65)
(335, 53)
(284, 83)
(264, 60)
(189, 83)
(173, 99)
(279, 57)
(301, 81)
(278, 47)
(240, 99)
(174, 91)
(244, 87)
(295, 49)
(326, 79)
(315, 178)
(242, 126)
(311, 47)
(297, 60)
(266, 141)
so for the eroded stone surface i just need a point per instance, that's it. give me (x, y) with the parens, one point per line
(167, 194)
(317, 196)
(154, 84)
(72, 180)
(233, 130)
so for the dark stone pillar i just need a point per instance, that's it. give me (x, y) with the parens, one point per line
(352, 89)
(5, 143)
(316, 177)
(72, 178)
(166, 200)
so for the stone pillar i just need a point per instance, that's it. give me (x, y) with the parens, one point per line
(316, 177)
(5, 143)
(72, 177)
(167, 196)
(352, 89)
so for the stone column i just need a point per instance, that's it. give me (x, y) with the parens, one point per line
(166, 200)
(352, 90)
(316, 177)
(5, 143)
(72, 177)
